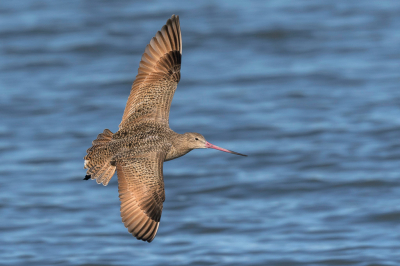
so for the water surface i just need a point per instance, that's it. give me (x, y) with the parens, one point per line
(308, 89)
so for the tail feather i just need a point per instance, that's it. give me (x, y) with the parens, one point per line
(97, 160)
(103, 138)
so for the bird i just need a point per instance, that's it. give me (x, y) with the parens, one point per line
(144, 140)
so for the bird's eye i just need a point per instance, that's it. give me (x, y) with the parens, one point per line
(196, 138)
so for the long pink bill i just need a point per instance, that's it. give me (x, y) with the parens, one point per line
(212, 146)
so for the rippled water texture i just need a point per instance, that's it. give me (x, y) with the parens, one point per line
(308, 89)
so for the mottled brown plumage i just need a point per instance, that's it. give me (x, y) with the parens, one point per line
(144, 140)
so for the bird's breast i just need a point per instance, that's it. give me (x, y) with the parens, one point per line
(175, 152)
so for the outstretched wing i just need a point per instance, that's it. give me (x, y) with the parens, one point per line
(141, 191)
(158, 77)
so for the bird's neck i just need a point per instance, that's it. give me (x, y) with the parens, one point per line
(178, 147)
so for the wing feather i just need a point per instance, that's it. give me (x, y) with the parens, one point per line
(158, 76)
(141, 192)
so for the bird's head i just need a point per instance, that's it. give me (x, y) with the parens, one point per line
(197, 141)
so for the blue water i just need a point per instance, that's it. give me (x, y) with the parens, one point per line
(308, 89)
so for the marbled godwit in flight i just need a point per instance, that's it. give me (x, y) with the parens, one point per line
(144, 140)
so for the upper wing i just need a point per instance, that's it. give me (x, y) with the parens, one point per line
(141, 191)
(158, 77)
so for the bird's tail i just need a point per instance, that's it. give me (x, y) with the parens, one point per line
(97, 160)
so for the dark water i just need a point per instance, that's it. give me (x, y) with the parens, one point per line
(309, 89)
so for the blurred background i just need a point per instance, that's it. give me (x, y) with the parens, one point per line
(308, 89)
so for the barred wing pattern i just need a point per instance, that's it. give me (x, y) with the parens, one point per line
(159, 73)
(141, 191)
